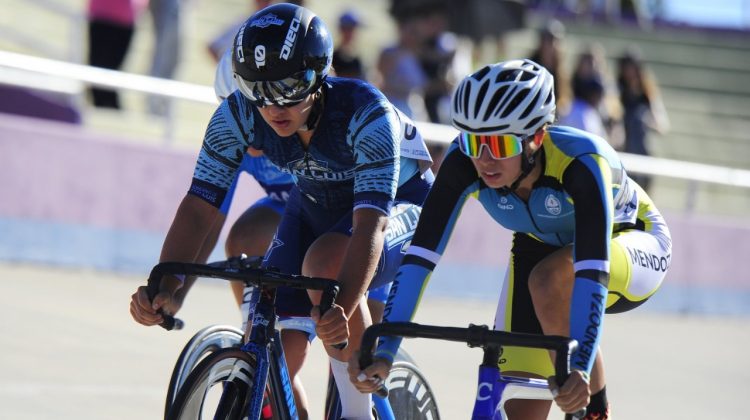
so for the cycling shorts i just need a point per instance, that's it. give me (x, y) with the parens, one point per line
(379, 294)
(304, 221)
(638, 263)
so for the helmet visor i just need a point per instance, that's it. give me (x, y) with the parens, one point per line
(499, 146)
(285, 92)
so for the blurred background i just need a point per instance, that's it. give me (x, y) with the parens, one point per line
(95, 161)
(103, 105)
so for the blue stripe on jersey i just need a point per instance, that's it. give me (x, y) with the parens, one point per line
(406, 292)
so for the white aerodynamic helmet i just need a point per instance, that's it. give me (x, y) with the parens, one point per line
(224, 83)
(511, 97)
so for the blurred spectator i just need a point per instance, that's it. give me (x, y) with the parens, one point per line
(110, 28)
(346, 59)
(584, 110)
(549, 54)
(591, 64)
(482, 20)
(399, 74)
(642, 107)
(225, 39)
(166, 53)
(436, 54)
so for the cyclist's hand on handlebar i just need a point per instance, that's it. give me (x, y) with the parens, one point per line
(370, 379)
(333, 326)
(574, 395)
(148, 312)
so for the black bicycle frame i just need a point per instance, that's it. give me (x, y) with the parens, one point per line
(261, 338)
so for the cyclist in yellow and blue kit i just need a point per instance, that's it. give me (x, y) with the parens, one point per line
(587, 239)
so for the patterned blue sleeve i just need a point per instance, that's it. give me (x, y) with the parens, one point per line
(221, 153)
(374, 134)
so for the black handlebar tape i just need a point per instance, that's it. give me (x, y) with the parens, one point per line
(326, 302)
(152, 289)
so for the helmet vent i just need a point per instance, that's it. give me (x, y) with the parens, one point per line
(480, 96)
(517, 99)
(507, 76)
(456, 100)
(532, 123)
(481, 73)
(467, 94)
(494, 101)
(526, 76)
(530, 108)
(550, 97)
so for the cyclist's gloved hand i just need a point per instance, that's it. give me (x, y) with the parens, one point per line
(371, 378)
(574, 395)
(147, 312)
(333, 326)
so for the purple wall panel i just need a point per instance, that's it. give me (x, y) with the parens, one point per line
(63, 173)
(53, 172)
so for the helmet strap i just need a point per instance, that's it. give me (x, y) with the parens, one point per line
(315, 113)
(528, 162)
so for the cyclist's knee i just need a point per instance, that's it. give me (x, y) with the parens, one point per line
(551, 281)
(527, 409)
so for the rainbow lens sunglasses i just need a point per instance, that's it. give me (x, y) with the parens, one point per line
(499, 146)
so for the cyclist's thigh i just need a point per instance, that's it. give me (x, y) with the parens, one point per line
(638, 263)
(515, 310)
(252, 233)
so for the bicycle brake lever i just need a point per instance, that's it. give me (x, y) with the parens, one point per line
(171, 323)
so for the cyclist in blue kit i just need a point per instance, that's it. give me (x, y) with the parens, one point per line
(361, 173)
(581, 228)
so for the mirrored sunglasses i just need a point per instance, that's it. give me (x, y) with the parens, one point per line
(499, 146)
(286, 92)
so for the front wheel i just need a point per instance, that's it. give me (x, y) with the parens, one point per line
(409, 394)
(218, 388)
(205, 342)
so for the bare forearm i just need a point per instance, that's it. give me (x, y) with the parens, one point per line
(186, 239)
(361, 260)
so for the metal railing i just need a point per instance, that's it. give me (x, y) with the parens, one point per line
(50, 75)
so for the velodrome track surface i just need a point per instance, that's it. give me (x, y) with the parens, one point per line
(71, 351)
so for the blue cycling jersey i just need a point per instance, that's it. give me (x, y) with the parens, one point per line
(331, 172)
(581, 197)
(273, 180)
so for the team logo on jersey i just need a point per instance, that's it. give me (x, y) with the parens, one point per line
(503, 204)
(266, 21)
(401, 224)
(319, 171)
(276, 243)
(552, 204)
